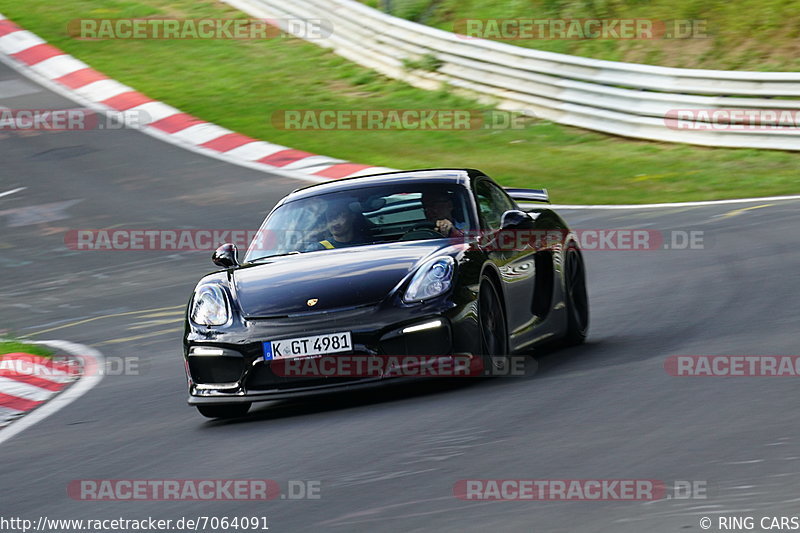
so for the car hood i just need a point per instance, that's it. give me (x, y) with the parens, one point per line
(342, 278)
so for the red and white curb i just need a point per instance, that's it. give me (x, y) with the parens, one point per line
(32, 56)
(33, 387)
(27, 381)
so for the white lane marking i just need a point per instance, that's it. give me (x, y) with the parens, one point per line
(92, 358)
(12, 191)
(19, 389)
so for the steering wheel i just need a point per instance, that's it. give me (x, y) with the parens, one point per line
(425, 225)
(423, 230)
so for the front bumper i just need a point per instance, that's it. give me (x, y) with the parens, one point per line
(227, 365)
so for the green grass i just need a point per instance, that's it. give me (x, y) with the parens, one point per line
(739, 35)
(20, 347)
(238, 84)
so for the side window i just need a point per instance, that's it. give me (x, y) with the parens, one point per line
(398, 208)
(492, 203)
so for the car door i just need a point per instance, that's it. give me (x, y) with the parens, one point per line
(514, 262)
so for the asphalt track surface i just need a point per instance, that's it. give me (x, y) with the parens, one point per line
(388, 459)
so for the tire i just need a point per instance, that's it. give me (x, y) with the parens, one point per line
(576, 297)
(492, 326)
(231, 410)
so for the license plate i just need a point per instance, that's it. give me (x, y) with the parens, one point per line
(305, 346)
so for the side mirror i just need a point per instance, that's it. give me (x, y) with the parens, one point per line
(225, 256)
(515, 219)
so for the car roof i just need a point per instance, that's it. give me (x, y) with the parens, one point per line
(460, 176)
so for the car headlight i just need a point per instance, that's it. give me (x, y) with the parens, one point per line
(210, 307)
(432, 279)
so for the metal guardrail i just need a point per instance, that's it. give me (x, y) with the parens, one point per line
(625, 99)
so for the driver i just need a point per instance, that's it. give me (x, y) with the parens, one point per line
(438, 207)
(342, 226)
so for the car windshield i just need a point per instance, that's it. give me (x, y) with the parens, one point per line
(365, 216)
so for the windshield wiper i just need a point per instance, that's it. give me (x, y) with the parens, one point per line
(295, 252)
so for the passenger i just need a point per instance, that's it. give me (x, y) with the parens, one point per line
(344, 226)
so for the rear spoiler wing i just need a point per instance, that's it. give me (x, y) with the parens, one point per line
(525, 196)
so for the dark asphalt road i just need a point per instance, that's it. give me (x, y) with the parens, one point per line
(388, 459)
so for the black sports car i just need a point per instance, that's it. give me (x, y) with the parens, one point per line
(417, 263)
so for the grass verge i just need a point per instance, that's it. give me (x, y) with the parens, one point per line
(742, 35)
(239, 84)
(21, 347)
